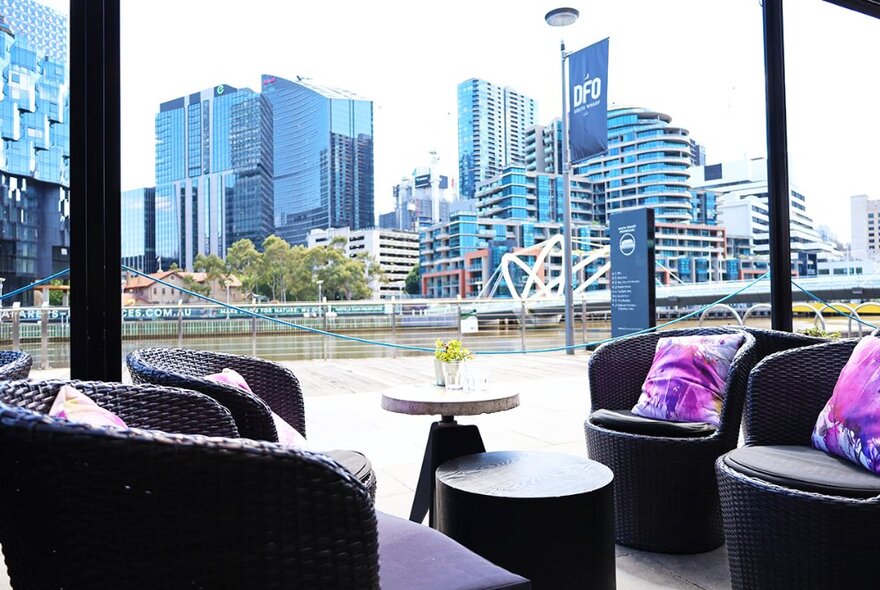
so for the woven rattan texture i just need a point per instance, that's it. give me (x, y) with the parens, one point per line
(784, 538)
(140, 406)
(275, 388)
(14, 364)
(788, 390)
(273, 385)
(84, 507)
(778, 538)
(666, 495)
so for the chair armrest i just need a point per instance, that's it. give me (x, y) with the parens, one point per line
(184, 368)
(787, 390)
(276, 385)
(14, 364)
(140, 406)
(617, 370)
(173, 511)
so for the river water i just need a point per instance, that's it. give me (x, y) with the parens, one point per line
(289, 345)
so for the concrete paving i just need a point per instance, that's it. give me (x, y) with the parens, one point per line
(343, 410)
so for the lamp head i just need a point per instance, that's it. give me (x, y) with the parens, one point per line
(561, 17)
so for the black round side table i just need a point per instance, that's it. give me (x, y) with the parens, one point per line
(546, 516)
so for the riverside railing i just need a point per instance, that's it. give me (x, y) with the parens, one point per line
(342, 329)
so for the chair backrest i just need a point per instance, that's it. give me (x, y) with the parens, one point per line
(14, 364)
(275, 388)
(787, 390)
(773, 341)
(617, 370)
(140, 406)
(84, 507)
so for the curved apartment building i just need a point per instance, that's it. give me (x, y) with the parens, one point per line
(646, 164)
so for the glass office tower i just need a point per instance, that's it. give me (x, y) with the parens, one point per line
(492, 123)
(213, 173)
(139, 229)
(34, 148)
(323, 158)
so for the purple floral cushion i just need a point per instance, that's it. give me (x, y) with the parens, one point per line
(686, 380)
(849, 424)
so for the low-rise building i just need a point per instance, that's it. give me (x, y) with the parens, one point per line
(146, 290)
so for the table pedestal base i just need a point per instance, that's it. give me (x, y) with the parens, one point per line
(447, 440)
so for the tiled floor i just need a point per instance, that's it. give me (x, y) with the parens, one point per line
(343, 411)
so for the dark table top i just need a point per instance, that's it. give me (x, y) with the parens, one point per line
(524, 474)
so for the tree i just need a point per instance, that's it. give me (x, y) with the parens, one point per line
(413, 282)
(273, 267)
(244, 260)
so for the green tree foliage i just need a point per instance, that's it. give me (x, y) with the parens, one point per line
(413, 282)
(291, 273)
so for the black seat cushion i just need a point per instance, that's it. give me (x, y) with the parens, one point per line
(413, 556)
(806, 469)
(626, 421)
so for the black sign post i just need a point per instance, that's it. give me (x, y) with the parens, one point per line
(633, 305)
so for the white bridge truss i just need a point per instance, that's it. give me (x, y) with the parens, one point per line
(535, 286)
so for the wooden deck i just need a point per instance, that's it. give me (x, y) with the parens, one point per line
(335, 377)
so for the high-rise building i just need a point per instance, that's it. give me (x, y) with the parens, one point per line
(543, 147)
(518, 194)
(38, 26)
(213, 173)
(646, 164)
(865, 226)
(34, 146)
(323, 157)
(419, 201)
(138, 229)
(492, 123)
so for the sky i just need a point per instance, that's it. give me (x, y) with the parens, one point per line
(700, 61)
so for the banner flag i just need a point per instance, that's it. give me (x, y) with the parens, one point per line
(587, 94)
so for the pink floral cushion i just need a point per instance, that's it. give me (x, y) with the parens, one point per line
(287, 434)
(686, 380)
(72, 404)
(849, 424)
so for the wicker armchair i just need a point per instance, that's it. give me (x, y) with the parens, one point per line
(665, 497)
(85, 507)
(14, 364)
(275, 389)
(780, 536)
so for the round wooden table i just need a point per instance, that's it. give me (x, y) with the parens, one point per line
(546, 516)
(447, 438)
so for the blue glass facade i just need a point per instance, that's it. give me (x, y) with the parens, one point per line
(492, 123)
(139, 229)
(323, 165)
(34, 146)
(214, 165)
(645, 165)
(536, 196)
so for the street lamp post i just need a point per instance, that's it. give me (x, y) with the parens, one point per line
(320, 299)
(562, 17)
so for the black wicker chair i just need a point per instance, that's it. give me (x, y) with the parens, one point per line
(14, 364)
(781, 533)
(275, 389)
(665, 493)
(84, 507)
